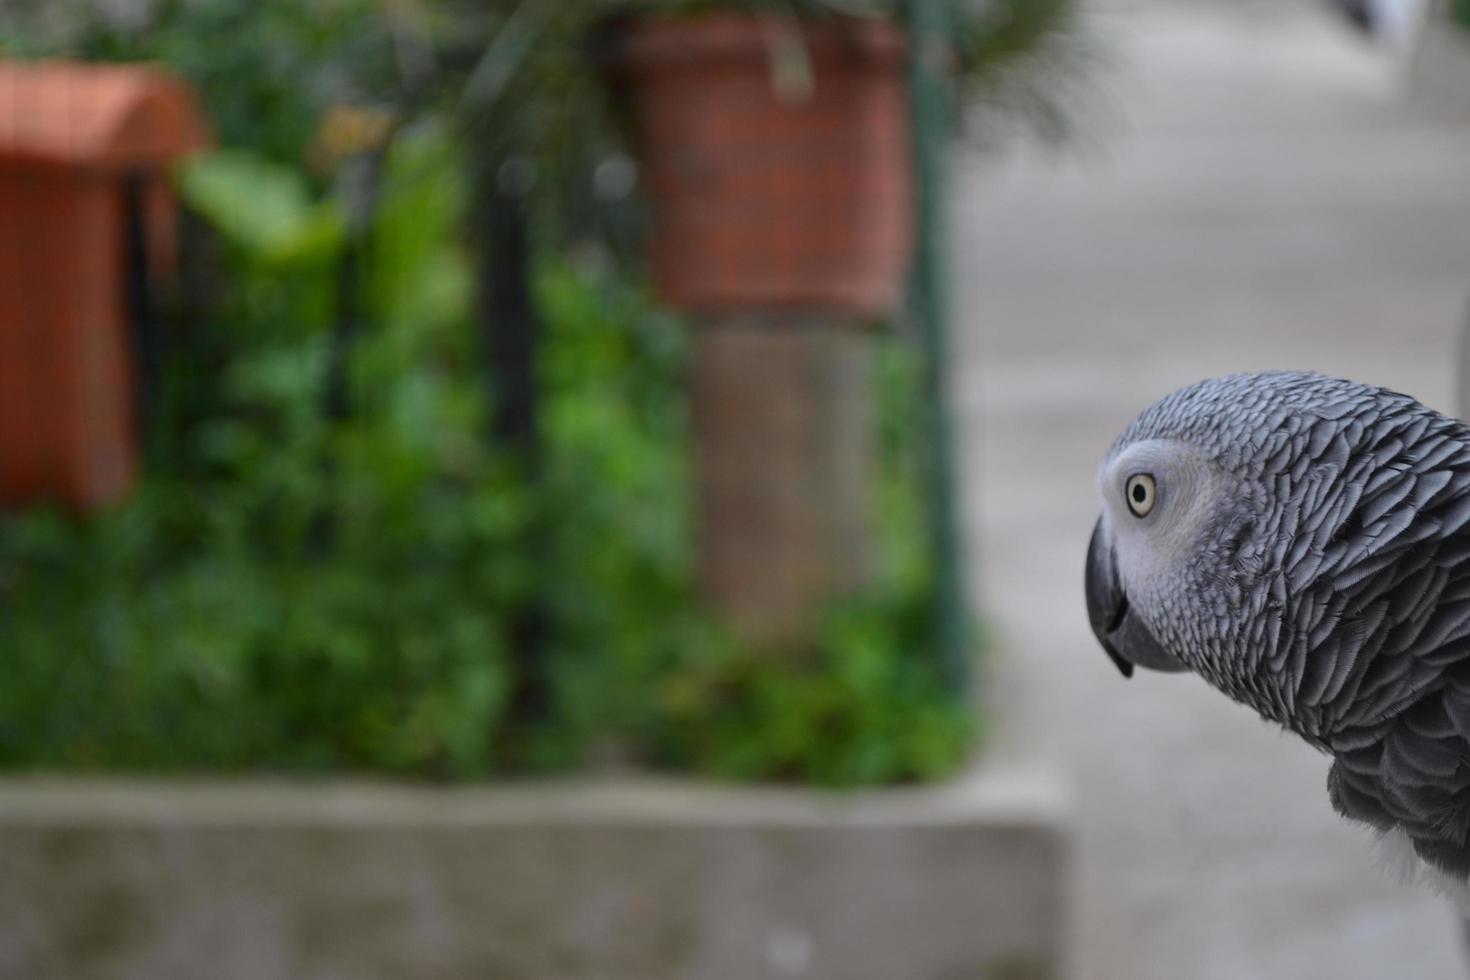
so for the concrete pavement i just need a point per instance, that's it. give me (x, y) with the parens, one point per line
(1251, 192)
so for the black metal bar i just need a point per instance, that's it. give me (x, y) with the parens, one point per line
(360, 178)
(142, 309)
(509, 334)
(508, 324)
(346, 329)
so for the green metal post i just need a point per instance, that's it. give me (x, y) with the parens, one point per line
(930, 26)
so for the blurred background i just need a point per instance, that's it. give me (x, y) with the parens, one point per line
(560, 488)
(1267, 188)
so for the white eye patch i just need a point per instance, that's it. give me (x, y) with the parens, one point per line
(1140, 492)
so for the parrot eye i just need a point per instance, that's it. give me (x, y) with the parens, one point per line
(1140, 492)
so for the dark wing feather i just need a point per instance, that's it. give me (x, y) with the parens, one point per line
(1390, 679)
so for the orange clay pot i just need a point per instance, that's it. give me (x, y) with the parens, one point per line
(70, 135)
(768, 199)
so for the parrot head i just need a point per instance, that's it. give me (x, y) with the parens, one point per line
(1303, 544)
(1248, 521)
(1158, 497)
(1175, 568)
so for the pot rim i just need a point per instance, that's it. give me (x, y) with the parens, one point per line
(654, 43)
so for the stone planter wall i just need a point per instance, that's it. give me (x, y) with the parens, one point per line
(616, 881)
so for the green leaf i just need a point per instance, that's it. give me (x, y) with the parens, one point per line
(263, 208)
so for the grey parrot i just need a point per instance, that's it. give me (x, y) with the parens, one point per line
(1303, 544)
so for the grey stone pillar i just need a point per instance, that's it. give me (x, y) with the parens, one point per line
(785, 462)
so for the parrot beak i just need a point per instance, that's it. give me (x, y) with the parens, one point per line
(1122, 634)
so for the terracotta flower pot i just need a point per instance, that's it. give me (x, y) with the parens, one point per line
(73, 138)
(768, 199)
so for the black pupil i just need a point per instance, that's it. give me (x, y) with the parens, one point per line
(1139, 493)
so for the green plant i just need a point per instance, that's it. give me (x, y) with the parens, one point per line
(860, 705)
(309, 582)
(863, 700)
(295, 591)
(287, 591)
(637, 664)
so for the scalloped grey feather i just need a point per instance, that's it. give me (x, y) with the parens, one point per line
(1331, 587)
